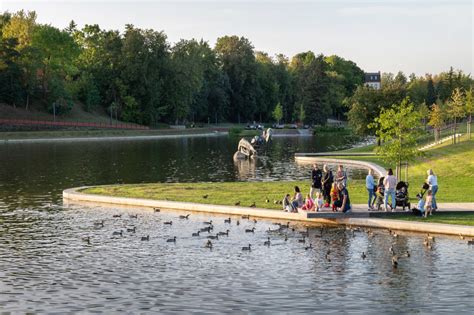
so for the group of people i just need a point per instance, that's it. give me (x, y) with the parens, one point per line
(386, 189)
(330, 191)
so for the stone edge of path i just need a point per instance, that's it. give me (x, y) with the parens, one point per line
(74, 195)
(299, 157)
(114, 138)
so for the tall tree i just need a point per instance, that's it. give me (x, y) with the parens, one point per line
(237, 59)
(430, 92)
(469, 109)
(455, 109)
(437, 119)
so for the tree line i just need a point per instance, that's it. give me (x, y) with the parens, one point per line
(138, 76)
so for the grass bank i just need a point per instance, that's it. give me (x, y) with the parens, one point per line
(51, 134)
(446, 218)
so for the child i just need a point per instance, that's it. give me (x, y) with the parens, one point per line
(287, 207)
(379, 196)
(428, 203)
(309, 204)
(334, 196)
(319, 201)
(420, 207)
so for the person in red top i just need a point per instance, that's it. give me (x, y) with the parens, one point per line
(308, 204)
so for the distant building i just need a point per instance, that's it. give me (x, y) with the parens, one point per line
(373, 79)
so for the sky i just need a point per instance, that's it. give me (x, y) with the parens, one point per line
(414, 36)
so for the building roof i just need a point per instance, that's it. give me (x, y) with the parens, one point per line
(372, 77)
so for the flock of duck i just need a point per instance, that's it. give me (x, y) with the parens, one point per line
(280, 232)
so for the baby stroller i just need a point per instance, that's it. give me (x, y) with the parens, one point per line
(401, 195)
(379, 194)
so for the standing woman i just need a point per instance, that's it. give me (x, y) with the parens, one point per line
(390, 183)
(316, 176)
(326, 183)
(432, 180)
(370, 185)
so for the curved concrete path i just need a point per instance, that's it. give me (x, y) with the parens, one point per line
(308, 158)
(74, 195)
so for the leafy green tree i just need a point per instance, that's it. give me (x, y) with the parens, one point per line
(437, 119)
(430, 92)
(237, 59)
(10, 72)
(399, 127)
(278, 113)
(469, 109)
(455, 109)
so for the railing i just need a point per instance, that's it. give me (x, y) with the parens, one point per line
(46, 123)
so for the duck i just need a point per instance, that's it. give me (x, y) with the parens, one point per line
(156, 209)
(328, 258)
(246, 217)
(168, 223)
(303, 240)
(205, 196)
(395, 235)
(252, 230)
(171, 240)
(206, 229)
(461, 236)
(132, 230)
(267, 200)
(237, 203)
(407, 254)
(247, 247)
(226, 233)
(431, 238)
(208, 222)
(255, 221)
(145, 238)
(364, 256)
(213, 237)
(196, 234)
(184, 216)
(133, 216)
(471, 242)
(395, 261)
(208, 244)
(267, 242)
(117, 216)
(425, 242)
(227, 220)
(309, 247)
(238, 222)
(99, 224)
(286, 226)
(275, 202)
(118, 233)
(286, 237)
(87, 239)
(391, 250)
(253, 205)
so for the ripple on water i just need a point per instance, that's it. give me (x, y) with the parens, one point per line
(48, 266)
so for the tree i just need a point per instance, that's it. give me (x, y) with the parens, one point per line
(469, 109)
(437, 119)
(455, 109)
(278, 113)
(430, 92)
(237, 59)
(399, 127)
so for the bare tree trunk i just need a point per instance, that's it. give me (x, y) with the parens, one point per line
(27, 100)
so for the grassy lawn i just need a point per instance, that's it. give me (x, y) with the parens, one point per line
(447, 218)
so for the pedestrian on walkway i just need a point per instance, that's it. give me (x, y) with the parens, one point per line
(390, 183)
(370, 185)
(316, 176)
(432, 181)
(326, 183)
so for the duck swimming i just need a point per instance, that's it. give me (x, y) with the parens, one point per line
(247, 247)
(184, 216)
(227, 220)
(267, 243)
(213, 237)
(246, 217)
(208, 222)
(132, 230)
(117, 216)
(226, 233)
(309, 247)
(118, 233)
(252, 230)
(196, 234)
(156, 209)
(133, 216)
(171, 240)
(145, 238)
(364, 256)
(208, 244)
(168, 223)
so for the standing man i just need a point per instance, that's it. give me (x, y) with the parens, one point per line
(316, 176)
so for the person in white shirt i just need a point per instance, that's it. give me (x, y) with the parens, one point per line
(432, 180)
(370, 185)
(390, 183)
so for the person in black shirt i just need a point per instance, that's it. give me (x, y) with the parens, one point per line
(316, 176)
(326, 184)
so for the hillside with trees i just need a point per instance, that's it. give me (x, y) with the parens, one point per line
(138, 76)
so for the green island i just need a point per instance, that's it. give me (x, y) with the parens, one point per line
(454, 164)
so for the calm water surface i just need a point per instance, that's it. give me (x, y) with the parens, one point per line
(46, 266)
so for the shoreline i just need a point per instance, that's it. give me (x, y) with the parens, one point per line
(75, 196)
(115, 138)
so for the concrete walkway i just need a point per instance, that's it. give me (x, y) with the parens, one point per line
(304, 158)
